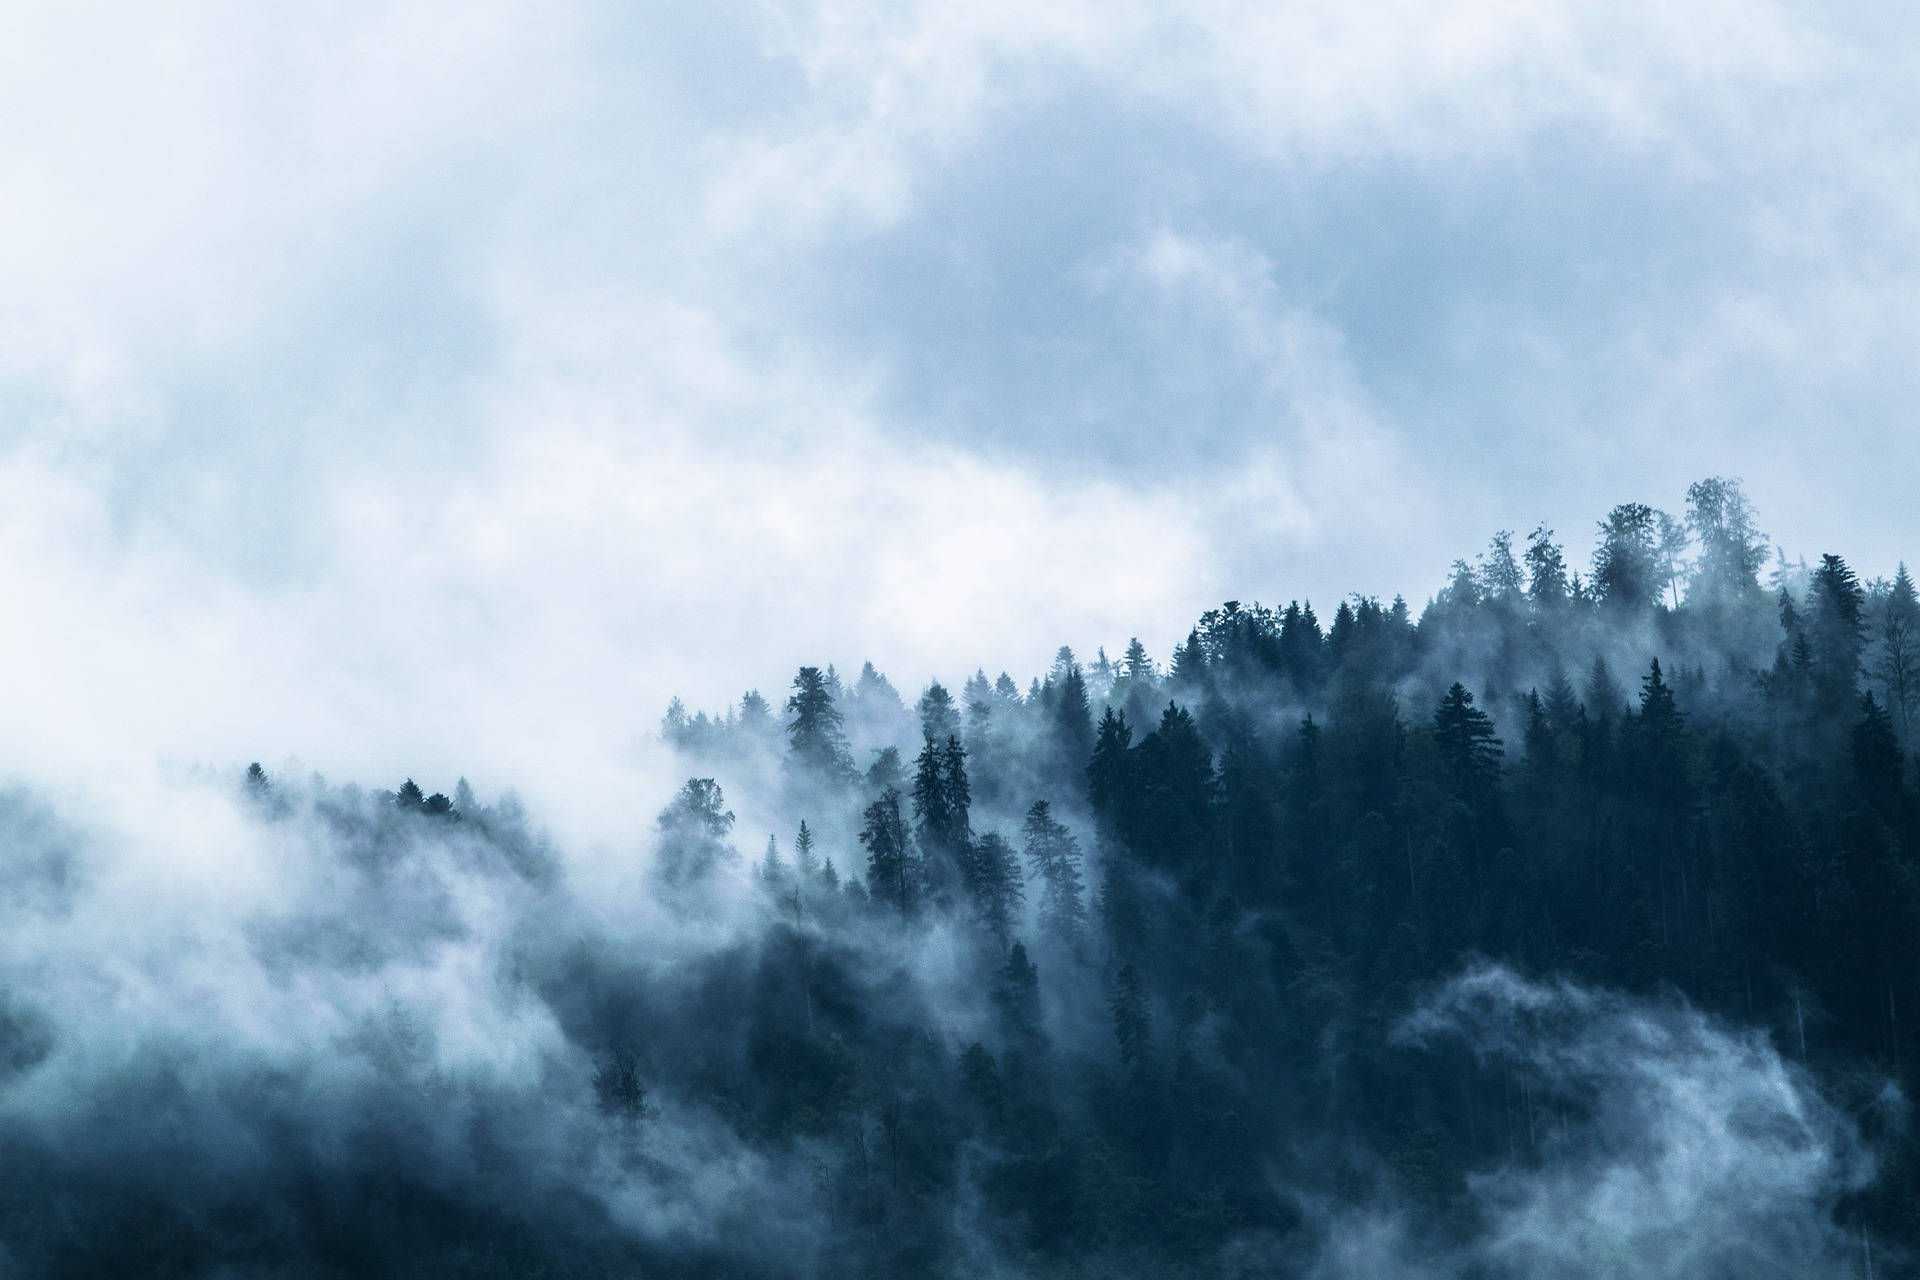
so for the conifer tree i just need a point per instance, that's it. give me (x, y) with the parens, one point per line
(1898, 664)
(1107, 771)
(891, 875)
(1467, 743)
(1546, 571)
(773, 869)
(816, 741)
(804, 858)
(993, 883)
(1732, 548)
(1072, 720)
(1500, 578)
(693, 834)
(1835, 629)
(1053, 858)
(939, 718)
(1627, 571)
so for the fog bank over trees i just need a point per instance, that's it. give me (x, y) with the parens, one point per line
(1564, 924)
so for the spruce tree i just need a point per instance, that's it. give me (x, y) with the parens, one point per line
(1732, 548)
(1468, 746)
(1546, 571)
(1898, 663)
(816, 741)
(1627, 571)
(1053, 858)
(804, 858)
(891, 874)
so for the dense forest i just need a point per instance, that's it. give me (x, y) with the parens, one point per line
(1566, 926)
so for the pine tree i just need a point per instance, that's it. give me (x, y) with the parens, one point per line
(1107, 770)
(939, 718)
(1500, 578)
(773, 870)
(1189, 666)
(1072, 720)
(1467, 743)
(1562, 704)
(1602, 695)
(1898, 664)
(1835, 628)
(1463, 589)
(1657, 735)
(816, 741)
(1546, 571)
(885, 770)
(942, 797)
(756, 715)
(693, 834)
(804, 857)
(1627, 570)
(1053, 858)
(993, 883)
(891, 875)
(1018, 996)
(1732, 549)
(1877, 760)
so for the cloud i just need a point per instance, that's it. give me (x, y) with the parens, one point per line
(939, 335)
(1648, 1140)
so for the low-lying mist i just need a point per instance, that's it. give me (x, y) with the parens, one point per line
(1283, 958)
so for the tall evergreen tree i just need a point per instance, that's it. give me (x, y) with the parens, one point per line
(1628, 573)
(804, 858)
(817, 744)
(994, 884)
(1546, 571)
(1732, 548)
(693, 834)
(939, 717)
(1898, 662)
(892, 877)
(1500, 577)
(1053, 858)
(1835, 628)
(1468, 746)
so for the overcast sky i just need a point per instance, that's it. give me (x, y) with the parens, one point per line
(437, 388)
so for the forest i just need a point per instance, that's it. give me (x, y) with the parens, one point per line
(1565, 925)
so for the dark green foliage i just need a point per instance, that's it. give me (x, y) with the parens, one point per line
(817, 744)
(693, 834)
(1732, 549)
(1546, 571)
(1132, 1028)
(993, 883)
(1627, 573)
(892, 876)
(1053, 859)
(1468, 747)
(956, 1064)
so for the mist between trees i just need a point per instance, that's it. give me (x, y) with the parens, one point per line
(1569, 928)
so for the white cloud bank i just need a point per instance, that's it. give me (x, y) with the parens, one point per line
(420, 388)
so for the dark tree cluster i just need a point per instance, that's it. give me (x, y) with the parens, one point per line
(1102, 976)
